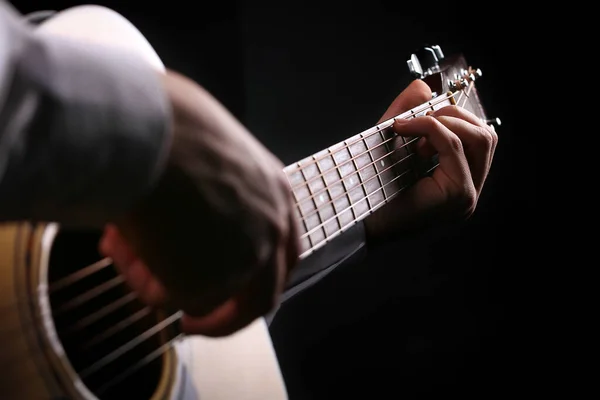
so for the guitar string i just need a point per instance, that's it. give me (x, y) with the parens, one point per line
(117, 280)
(377, 175)
(156, 353)
(133, 343)
(328, 237)
(361, 184)
(140, 364)
(129, 345)
(148, 358)
(80, 274)
(149, 333)
(129, 297)
(368, 150)
(67, 281)
(369, 211)
(114, 306)
(423, 107)
(113, 282)
(116, 328)
(352, 205)
(125, 348)
(115, 354)
(34, 321)
(352, 158)
(105, 262)
(465, 93)
(144, 311)
(165, 347)
(336, 166)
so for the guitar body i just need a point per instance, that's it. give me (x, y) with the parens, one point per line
(72, 329)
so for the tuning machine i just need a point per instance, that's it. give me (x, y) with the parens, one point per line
(470, 74)
(458, 84)
(493, 122)
(463, 78)
(425, 62)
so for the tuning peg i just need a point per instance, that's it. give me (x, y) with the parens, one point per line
(469, 74)
(493, 121)
(438, 52)
(414, 66)
(457, 84)
(425, 62)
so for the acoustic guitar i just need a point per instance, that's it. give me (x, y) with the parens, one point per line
(71, 328)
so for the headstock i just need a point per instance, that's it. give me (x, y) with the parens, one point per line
(449, 74)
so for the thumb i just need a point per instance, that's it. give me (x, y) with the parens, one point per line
(417, 93)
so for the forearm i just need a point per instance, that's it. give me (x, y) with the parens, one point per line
(83, 130)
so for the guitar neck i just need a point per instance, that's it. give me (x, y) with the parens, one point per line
(344, 183)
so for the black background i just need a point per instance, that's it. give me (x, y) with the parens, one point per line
(435, 316)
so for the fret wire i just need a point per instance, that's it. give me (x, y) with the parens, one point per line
(414, 161)
(373, 177)
(352, 205)
(310, 191)
(347, 192)
(390, 121)
(379, 130)
(360, 180)
(405, 144)
(304, 221)
(383, 140)
(333, 235)
(323, 242)
(347, 161)
(346, 145)
(366, 166)
(327, 187)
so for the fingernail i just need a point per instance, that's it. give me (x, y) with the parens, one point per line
(400, 120)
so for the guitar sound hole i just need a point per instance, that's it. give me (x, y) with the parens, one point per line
(95, 327)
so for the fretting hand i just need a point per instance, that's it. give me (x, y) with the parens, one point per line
(465, 146)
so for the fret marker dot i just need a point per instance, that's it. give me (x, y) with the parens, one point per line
(322, 198)
(382, 163)
(351, 181)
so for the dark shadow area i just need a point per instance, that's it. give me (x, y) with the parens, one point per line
(439, 315)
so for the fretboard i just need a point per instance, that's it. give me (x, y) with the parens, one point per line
(342, 184)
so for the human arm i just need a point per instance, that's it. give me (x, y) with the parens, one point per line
(82, 145)
(83, 131)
